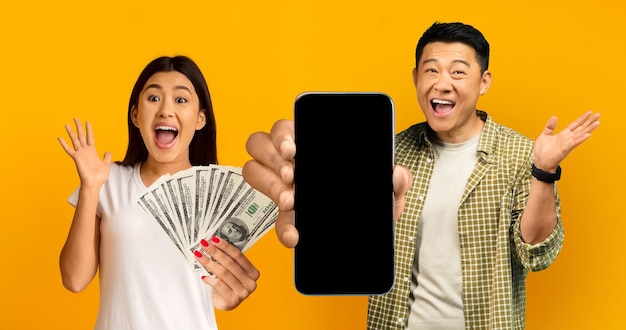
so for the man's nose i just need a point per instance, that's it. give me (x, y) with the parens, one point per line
(443, 83)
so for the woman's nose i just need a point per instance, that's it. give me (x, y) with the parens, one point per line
(166, 110)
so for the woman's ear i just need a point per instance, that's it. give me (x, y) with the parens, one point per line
(201, 120)
(133, 115)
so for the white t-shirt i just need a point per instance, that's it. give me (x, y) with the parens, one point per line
(145, 281)
(436, 297)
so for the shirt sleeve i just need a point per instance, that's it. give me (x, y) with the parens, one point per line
(73, 200)
(537, 257)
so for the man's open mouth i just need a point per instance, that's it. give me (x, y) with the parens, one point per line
(442, 106)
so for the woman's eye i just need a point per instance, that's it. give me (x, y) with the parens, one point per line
(180, 100)
(154, 98)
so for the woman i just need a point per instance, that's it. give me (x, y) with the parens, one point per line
(144, 281)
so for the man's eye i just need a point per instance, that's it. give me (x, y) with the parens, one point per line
(181, 100)
(154, 98)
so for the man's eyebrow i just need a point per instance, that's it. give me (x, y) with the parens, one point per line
(453, 61)
(462, 62)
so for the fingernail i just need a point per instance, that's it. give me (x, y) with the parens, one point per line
(203, 277)
(215, 239)
(204, 242)
(197, 253)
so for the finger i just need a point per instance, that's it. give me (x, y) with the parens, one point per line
(402, 181)
(582, 128)
(205, 260)
(268, 183)
(286, 230)
(90, 139)
(80, 132)
(221, 248)
(224, 298)
(262, 148)
(282, 133)
(586, 122)
(239, 285)
(227, 264)
(73, 137)
(65, 146)
(591, 123)
(579, 122)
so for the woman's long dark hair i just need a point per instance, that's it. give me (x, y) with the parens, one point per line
(203, 146)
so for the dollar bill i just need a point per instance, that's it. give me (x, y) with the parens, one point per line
(203, 201)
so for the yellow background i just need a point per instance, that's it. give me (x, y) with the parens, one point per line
(64, 59)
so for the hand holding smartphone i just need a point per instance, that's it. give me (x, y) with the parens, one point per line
(343, 193)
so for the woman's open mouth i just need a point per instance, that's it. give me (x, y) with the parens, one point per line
(165, 136)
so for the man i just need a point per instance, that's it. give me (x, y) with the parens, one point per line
(477, 205)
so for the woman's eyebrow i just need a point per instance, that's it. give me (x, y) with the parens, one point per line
(182, 87)
(159, 87)
(156, 86)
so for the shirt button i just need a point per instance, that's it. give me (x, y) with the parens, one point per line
(400, 320)
(411, 238)
(428, 160)
(406, 279)
(421, 198)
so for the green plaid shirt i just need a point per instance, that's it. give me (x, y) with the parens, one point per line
(494, 259)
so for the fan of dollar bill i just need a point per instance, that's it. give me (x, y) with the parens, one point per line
(204, 201)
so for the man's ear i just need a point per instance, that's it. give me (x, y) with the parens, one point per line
(133, 115)
(485, 82)
(201, 120)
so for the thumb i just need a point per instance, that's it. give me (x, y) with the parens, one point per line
(285, 230)
(107, 157)
(550, 126)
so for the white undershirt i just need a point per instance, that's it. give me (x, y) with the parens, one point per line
(436, 288)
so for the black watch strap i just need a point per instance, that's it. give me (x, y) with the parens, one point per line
(546, 176)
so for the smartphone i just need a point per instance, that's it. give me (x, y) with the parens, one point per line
(343, 194)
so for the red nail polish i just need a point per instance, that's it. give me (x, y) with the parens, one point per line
(204, 242)
(203, 277)
(215, 239)
(197, 253)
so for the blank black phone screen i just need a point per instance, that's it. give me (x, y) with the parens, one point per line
(343, 193)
